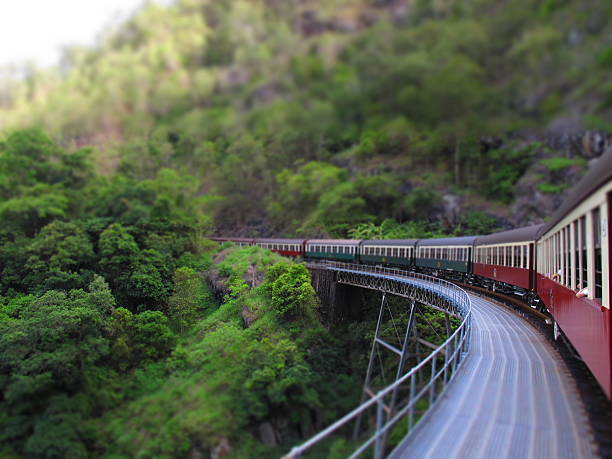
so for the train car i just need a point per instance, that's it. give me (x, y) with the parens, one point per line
(285, 247)
(333, 249)
(397, 252)
(240, 241)
(573, 269)
(508, 258)
(453, 254)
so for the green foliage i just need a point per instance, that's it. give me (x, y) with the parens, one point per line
(50, 352)
(292, 293)
(59, 258)
(473, 223)
(391, 229)
(557, 164)
(605, 57)
(243, 267)
(505, 167)
(250, 118)
(551, 188)
(187, 299)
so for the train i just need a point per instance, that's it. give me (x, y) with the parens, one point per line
(560, 267)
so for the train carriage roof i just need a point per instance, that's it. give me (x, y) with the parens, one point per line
(232, 239)
(528, 233)
(599, 173)
(279, 241)
(334, 241)
(390, 242)
(447, 241)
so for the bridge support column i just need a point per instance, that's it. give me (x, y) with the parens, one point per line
(380, 344)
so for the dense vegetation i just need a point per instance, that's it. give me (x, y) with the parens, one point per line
(361, 118)
(313, 117)
(111, 340)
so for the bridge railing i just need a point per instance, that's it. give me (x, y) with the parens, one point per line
(414, 393)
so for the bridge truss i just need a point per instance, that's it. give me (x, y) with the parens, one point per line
(386, 416)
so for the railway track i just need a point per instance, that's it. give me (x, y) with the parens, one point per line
(502, 403)
(598, 407)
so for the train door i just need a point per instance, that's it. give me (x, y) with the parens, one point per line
(607, 227)
(532, 264)
(470, 265)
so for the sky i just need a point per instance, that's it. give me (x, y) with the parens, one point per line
(36, 30)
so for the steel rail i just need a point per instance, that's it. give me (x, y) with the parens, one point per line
(453, 350)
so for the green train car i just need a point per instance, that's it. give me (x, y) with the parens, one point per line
(453, 253)
(397, 252)
(346, 250)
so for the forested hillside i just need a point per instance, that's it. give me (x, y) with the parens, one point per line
(124, 331)
(312, 117)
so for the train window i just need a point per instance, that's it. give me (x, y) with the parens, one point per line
(402, 253)
(568, 258)
(562, 266)
(584, 278)
(597, 253)
(577, 263)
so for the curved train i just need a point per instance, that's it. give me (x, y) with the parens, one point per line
(561, 267)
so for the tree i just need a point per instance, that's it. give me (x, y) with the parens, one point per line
(187, 297)
(59, 258)
(292, 293)
(48, 353)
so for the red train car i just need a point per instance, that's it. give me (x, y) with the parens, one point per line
(285, 247)
(508, 257)
(573, 269)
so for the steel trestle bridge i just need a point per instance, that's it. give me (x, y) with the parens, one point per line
(399, 406)
(512, 398)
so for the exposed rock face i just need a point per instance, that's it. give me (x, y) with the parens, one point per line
(248, 316)
(564, 136)
(531, 204)
(223, 449)
(254, 277)
(267, 434)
